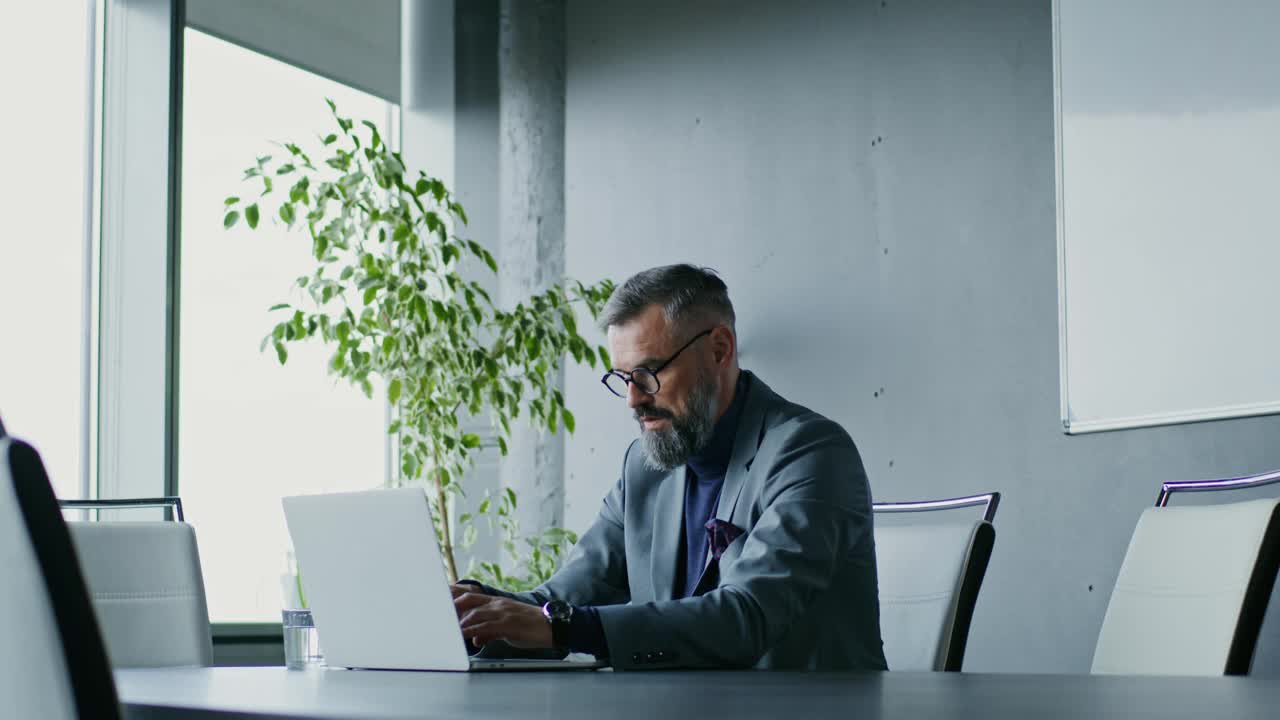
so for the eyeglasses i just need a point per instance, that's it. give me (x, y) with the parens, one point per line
(642, 377)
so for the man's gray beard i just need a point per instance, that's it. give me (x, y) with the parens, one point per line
(688, 435)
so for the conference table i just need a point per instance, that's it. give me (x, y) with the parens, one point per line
(728, 695)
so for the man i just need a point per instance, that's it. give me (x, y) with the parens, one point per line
(740, 532)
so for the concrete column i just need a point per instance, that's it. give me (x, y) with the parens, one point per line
(531, 67)
(449, 121)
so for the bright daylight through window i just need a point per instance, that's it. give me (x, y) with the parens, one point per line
(45, 56)
(250, 430)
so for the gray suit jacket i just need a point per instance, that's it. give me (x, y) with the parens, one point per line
(796, 591)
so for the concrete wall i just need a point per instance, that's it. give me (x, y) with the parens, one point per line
(875, 181)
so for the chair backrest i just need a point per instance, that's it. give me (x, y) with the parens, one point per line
(147, 588)
(929, 578)
(1192, 591)
(52, 661)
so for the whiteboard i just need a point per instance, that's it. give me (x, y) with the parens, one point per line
(1167, 116)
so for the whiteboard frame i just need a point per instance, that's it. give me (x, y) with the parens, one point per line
(1123, 423)
(1064, 410)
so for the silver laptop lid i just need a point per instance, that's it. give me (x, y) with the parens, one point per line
(374, 579)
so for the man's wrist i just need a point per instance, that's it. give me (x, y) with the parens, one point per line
(558, 614)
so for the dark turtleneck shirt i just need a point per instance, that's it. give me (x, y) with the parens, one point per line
(704, 476)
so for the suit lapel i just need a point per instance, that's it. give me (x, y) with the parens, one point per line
(744, 446)
(668, 526)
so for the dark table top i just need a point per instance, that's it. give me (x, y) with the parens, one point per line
(280, 693)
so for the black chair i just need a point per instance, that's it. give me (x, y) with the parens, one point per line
(52, 660)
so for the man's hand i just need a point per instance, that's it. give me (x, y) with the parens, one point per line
(460, 589)
(485, 618)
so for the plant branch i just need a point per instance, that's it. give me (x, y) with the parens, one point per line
(446, 545)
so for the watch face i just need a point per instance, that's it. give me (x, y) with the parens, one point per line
(557, 610)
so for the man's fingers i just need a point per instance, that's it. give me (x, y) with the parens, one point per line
(467, 601)
(476, 617)
(483, 634)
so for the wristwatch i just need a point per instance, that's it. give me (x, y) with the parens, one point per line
(558, 613)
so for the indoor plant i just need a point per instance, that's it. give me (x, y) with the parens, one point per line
(392, 292)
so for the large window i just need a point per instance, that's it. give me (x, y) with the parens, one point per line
(47, 61)
(250, 430)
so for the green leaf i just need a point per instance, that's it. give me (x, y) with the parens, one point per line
(570, 322)
(281, 352)
(286, 214)
(286, 169)
(569, 422)
(370, 294)
(280, 306)
(488, 260)
(393, 392)
(604, 357)
(502, 445)
(346, 273)
(231, 200)
(251, 215)
(330, 139)
(471, 441)
(230, 219)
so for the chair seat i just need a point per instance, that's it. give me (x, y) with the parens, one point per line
(929, 577)
(52, 662)
(145, 582)
(1177, 603)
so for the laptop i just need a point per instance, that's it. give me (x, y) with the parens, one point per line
(375, 581)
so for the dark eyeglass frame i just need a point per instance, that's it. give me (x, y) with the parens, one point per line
(626, 376)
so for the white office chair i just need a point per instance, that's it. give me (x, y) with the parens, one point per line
(1194, 586)
(929, 578)
(147, 588)
(52, 662)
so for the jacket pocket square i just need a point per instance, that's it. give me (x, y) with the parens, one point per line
(720, 534)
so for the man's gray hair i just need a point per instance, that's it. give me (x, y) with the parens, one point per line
(688, 296)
